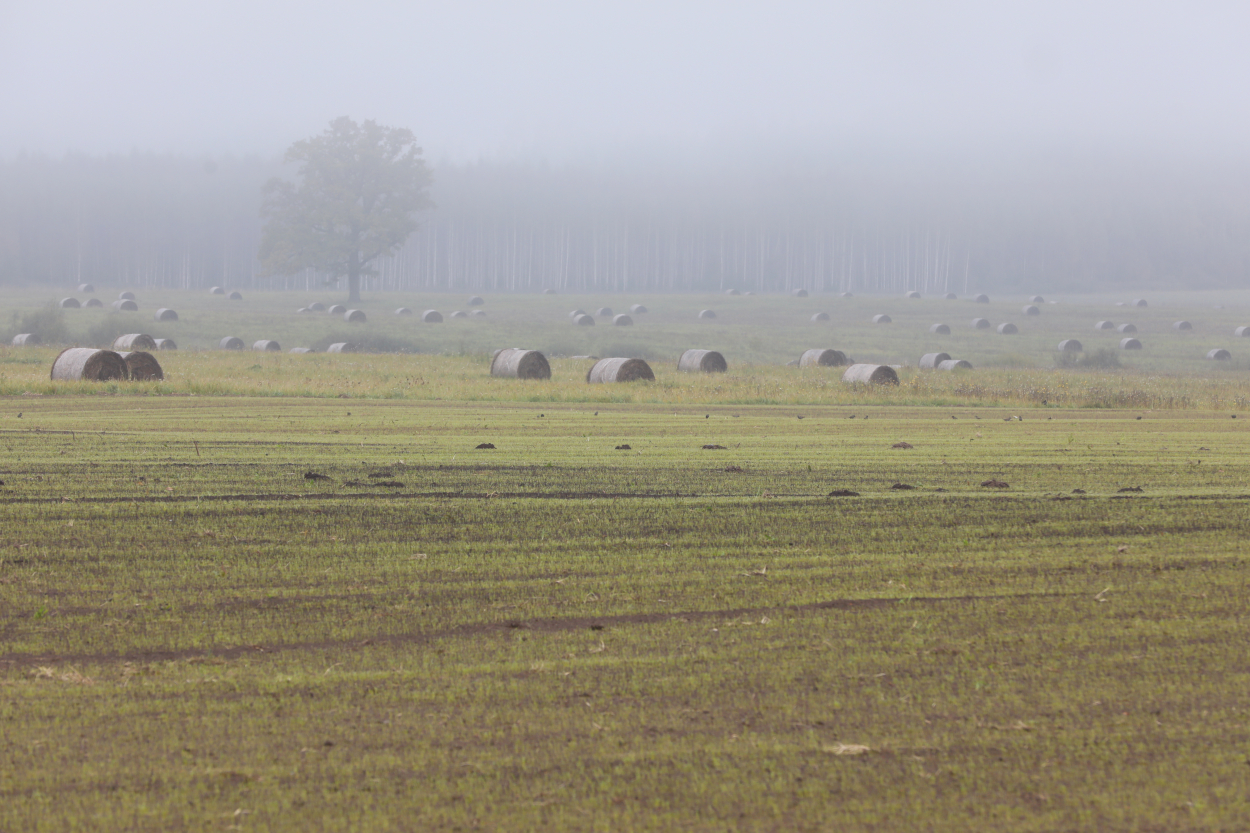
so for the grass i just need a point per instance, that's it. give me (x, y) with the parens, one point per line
(558, 634)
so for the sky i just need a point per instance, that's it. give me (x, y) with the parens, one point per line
(564, 81)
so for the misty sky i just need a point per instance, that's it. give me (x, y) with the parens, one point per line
(562, 80)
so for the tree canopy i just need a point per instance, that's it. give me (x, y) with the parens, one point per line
(360, 185)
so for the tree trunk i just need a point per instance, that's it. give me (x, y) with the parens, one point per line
(353, 278)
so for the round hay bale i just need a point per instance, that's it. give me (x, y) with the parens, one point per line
(1104, 325)
(1037, 299)
(732, 292)
(748, 292)
(1242, 332)
(702, 361)
(622, 320)
(515, 363)
(951, 296)
(638, 309)
(165, 314)
(845, 295)
(820, 316)
(931, 360)
(126, 296)
(1071, 345)
(343, 347)
(142, 367)
(317, 306)
(822, 358)
(1130, 344)
(70, 303)
(1182, 325)
(431, 316)
(475, 301)
(266, 345)
(477, 313)
(302, 310)
(94, 302)
(955, 364)
(799, 293)
(216, 290)
(459, 313)
(584, 320)
(1030, 309)
(982, 299)
(980, 323)
(1140, 302)
(707, 314)
(301, 350)
(604, 312)
(235, 295)
(336, 309)
(619, 370)
(1219, 355)
(26, 340)
(882, 318)
(134, 341)
(231, 343)
(403, 311)
(576, 312)
(912, 294)
(549, 291)
(125, 305)
(1127, 328)
(1007, 329)
(165, 344)
(86, 288)
(88, 364)
(940, 330)
(355, 316)
(870, 374)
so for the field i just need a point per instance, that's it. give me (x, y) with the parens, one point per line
(284, 592)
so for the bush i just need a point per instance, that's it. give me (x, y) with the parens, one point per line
(47, 322)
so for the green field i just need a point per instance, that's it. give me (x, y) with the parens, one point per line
(279, 592)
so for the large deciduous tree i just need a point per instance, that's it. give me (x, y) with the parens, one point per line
(360, 187)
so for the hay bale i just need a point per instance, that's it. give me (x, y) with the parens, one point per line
(134, 341)
(702, 361)
(882, 319)
(820, 316)
(336, 309)
(317, 306)
(230, 343)
(912, 294)
(355, 316)
(619, 370)
(125, 305)
(26, 340)
(302, 309)
(1130, 344)
(638, 309)
(1104, 325)
(403, 311)
(235, 295)
(931, 360)
(301, 350)
(70, 303)
(1029, 309)
(573, 313)
(584, 320)
(142, 367)
(1037, 299)
(1007, 329)
(343, 347)
(845, 295)
(1071, 345)
(980, 324)
(799, 293)
(1219, 355)
(1127, 328)
(216, 290)
(955, 364)
(1242, 332)
(94, 302)
(604, 312)
(549, 292)
(459, 313)
(982, 299)
(940, 330)
(951, 296)
(515, 363)
(707, 314)
(165, 314)
(622, 320)
(732, 292)
(870, 374)
(477, 313)
(822, 358)
(475, 301)
(86, 288)
(266, 345)
(1182, 325)
(165, 344)
(431, 316)
(88, 365)
(126, 296)
(1140, 302)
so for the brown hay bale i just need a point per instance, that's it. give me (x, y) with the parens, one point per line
(638, 309)
(799, 293)
(820, 316)
(1219, 355)
(912, 294)
(403, 311)
(235, 295)
(125, 305)
(431, 316)
(317, 306)
(1140, 302)
(86, 288)
(1130, 344)
(355, 316)
(142, 367)
(336, 309)
(266, 345)
(1008, 329)
(458, 314)
(1029, 309)
(931, 360)
(301, 350)
(475, 301)
(870, 374)
(1127, 328)
(954, 364)
(549, 291)
(619, 370)
(982, 299)
(604, 312)
(343, 347)
(70, 303)
(126, 296)
(134, 341)
(87, 364)
(165, 344)
(515, 363)
(584, 320)
(882, 318)
(165, 314)
(1242, 332)
(1037, 299)
(26, 340)
(732, 292)
(1071, 345)
(707, 314)
(940, 329)
(1104, 325)
(216, 290)
(231, 343)
(622, 320)
(817, 357)
(477, 313)
(94, 302)
(702, 361)
(980, 324)
(1182, 325)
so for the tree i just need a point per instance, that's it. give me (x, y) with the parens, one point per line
(360, 185)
